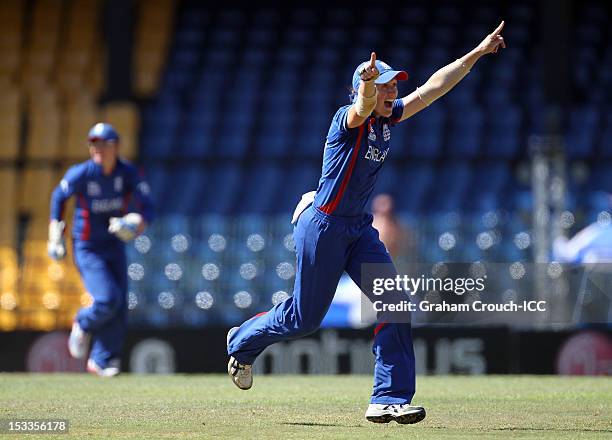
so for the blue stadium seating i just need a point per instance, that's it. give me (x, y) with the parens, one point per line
(425, 133)
(454, 178)
(262, 182)
(465, 134)
(605, 144)
(502, 139)
(414, 182)
(238, 128)
(580, 134)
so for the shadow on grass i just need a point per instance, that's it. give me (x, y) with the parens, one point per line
(320, 424)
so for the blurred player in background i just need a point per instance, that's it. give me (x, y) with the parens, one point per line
(394, 235)
(334, 232)
(103, 187)
(591, 245)
(590, 248)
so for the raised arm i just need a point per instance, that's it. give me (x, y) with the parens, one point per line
(366, 95)
(449, 76)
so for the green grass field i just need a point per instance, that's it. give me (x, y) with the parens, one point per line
(304, 407)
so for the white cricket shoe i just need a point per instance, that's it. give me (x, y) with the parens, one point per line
(78, 342)
(111, 370)
(401, 413)
(241, 374)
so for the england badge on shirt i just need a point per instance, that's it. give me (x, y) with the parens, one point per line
(93, 189)
(386, 133)
(118, 184)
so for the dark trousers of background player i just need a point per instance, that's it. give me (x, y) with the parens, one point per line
(103, 269)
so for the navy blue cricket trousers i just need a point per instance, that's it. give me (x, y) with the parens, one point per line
(327, 245)
(103, 268)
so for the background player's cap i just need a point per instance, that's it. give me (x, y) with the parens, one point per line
(102, 132)
(386, 74)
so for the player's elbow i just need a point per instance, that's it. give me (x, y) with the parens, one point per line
(432, 90)
(434, 83)
(57, 196)
(56, 205)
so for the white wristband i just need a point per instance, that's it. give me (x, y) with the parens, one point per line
(365, 105)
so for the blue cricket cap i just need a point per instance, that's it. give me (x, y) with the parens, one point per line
(102, 132)
(386, 73)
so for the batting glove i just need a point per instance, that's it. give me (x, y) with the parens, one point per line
(126, 227)
(56, 247)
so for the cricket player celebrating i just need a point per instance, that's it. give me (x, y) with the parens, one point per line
(103, 187)
(334, 233)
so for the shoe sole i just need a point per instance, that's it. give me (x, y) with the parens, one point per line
(229, 363)
(76, 353)
(94, 370)
(404, 419)
(95, 373)
(229, 371)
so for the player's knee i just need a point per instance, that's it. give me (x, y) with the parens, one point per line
(115, 304)
(109, 306)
